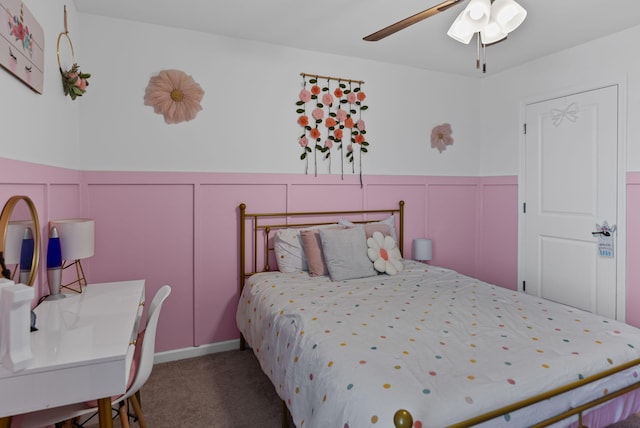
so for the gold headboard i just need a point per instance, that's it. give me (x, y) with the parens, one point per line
(261, 225)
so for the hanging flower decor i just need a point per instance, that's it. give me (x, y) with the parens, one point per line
(326, 114)
(74, 81)
(175, 95)
(441, 137)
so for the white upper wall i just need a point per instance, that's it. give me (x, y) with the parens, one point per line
(601, 62)
(248, 123)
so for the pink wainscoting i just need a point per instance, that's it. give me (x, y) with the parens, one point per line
(633, 249)
(217, 263)
(145, 231)
(498, 231)
(181, 228)
(452, 215)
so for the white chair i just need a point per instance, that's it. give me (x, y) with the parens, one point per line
(83, 411)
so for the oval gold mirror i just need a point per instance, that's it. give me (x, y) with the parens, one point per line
(20, 239)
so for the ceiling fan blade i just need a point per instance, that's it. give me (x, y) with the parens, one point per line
(400, 25)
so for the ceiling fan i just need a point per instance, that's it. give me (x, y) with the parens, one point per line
(490, 20)
(420, 16)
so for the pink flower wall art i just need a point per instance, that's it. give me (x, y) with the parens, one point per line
(441, 137)
(175, 95)
(330, 115)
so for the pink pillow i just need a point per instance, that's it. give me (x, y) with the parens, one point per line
(369, 228)
(313, 252)
(133, 371)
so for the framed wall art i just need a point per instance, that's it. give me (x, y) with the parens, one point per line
(21, 44)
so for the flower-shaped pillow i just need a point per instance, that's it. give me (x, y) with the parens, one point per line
(384, 253)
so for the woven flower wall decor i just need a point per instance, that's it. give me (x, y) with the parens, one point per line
(335, 120)
(441, 137)
(175, 95)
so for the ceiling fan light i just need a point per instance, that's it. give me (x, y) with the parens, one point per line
(492, 33)
(460, 30)
(477, 14)
(508, 14)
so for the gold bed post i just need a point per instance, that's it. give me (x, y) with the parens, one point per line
(267, 230)
(242, 207)
(402, 419)
(401, 238)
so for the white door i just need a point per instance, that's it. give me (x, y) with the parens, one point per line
(570, 179)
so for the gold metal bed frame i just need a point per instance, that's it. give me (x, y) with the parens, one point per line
(261, 228)
(262, 225)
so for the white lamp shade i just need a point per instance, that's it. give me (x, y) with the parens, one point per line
(476, 15)
(492, 33)
(422, 249)
(508, 14)
(13, 241)
(77, 237)
(460, 30)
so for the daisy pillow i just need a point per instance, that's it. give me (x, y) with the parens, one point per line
(384, 253)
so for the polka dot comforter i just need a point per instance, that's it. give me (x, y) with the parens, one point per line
(442, 345)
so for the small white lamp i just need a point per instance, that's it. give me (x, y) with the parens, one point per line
(77, 242)
(422, 249)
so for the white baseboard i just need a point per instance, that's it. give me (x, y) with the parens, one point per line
(196, 351)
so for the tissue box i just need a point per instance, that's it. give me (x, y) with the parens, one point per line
(15, 323)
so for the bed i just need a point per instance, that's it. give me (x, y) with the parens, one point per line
(424, 347)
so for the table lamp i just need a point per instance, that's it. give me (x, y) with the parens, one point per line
(26, 256)
(422, 249)
(77, 242)
(54, 266)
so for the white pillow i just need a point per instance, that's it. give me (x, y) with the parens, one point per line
(287, 246)
(389, 221)
(384, 253)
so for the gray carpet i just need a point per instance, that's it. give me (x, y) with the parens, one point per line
(223, 390)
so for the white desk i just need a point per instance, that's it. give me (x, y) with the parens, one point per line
(83, 350)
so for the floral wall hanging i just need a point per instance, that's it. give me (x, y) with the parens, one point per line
(441, 137)
(74, 81)
(175, 95)
(336, 127)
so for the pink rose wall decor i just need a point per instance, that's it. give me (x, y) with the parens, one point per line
(441, 137)
(175, 95)
(331, 116)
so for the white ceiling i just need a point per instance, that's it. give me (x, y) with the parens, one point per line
(338, 26)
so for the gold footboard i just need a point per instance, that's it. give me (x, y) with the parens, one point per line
(404, 419)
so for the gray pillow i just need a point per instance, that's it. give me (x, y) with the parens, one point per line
(345, 253)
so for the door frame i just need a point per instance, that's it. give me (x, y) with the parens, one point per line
(621, 221)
